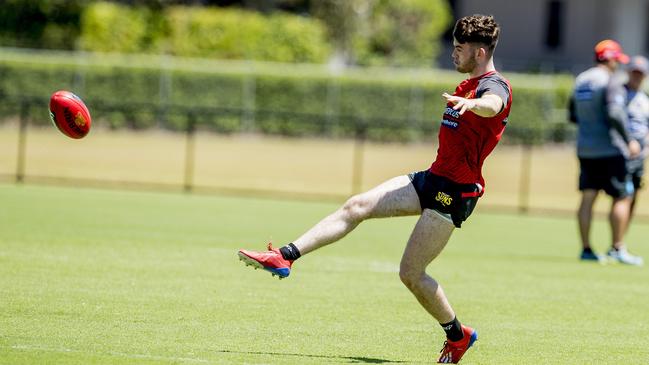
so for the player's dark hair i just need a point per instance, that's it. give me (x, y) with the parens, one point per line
(477, 28)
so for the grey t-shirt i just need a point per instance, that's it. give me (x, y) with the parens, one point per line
(638, 109)
(494, 84)
(637, 106)
(592, 99)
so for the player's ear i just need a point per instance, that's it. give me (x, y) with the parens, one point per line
(482, 52)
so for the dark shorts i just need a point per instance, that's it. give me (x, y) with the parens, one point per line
(445, 196)
(636, 169)
(607, 173)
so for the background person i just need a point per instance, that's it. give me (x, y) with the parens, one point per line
(603, 145)
(637, 105)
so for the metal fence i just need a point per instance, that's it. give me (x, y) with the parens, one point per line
(193, 125)
(520, 178)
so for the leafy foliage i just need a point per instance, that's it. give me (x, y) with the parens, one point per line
(203, 32)
(274, 101)
(385, 32)
(108, 27)
(53, 24)
(404, 32)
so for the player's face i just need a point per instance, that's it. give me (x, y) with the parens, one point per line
(612, 64)
(465, 56)
(635, 79)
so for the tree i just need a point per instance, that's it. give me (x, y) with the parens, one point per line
(40, 23)
(385, 32)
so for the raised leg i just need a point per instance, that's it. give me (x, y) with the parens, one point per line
(395, 197)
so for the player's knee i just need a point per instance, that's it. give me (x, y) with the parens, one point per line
(410, 277)
(356, 208)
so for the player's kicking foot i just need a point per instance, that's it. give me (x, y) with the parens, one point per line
(271, 260)
(453, 351)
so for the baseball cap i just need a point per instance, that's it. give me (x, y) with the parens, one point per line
(609, 49)
(639, 63)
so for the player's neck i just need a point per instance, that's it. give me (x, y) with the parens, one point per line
(482, 69)
(606, 67)
(633, 86)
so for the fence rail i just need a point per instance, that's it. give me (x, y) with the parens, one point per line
(521, 182)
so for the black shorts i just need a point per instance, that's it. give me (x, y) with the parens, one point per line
(445, 196)
(636, 169)
(607, 173)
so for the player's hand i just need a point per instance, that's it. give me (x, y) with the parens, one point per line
(461, 104)
(634, 148)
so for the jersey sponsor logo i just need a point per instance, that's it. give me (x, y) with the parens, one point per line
(584, 92)
(444, 198)
(451, 118)
(450, 124)
(452, 112)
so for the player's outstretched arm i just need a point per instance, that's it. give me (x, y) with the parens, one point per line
(487, 106)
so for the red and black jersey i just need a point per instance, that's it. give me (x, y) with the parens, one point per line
(466, 140)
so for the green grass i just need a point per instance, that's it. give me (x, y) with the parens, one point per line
(90, 276)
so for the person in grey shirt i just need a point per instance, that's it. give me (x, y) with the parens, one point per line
(603, 146)
(637, 105)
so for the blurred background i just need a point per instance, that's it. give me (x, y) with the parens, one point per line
(305, 99)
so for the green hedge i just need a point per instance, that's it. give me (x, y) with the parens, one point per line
(283, 101)
(108, 27)
(203, 32)
(238, 34)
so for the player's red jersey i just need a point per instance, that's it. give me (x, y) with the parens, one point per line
(466, 140)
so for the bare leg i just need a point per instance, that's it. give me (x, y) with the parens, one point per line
(395, 197)
(619, 219)
(585, 215)
(427, 240)
(632, 208)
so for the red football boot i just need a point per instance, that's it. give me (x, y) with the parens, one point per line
(453, 351)
(271, 260)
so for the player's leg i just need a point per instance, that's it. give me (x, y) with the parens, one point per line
(634, 200)
(636, 176)
(395, 197)
(584, 218)
(621, 189)
(619, 219)
(428, 239)
(591, 180)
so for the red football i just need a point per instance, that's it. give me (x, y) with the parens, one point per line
(69, 114)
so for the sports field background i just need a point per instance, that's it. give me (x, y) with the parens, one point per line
(298, 168)
(143, 273)
(115, 277)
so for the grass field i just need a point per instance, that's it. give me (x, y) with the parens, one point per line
(102, 277)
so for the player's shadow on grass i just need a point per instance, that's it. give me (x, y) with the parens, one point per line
(347, 359)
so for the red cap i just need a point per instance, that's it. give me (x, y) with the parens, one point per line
(610, 50)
